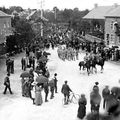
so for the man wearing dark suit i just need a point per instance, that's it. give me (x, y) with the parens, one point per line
(66, 91)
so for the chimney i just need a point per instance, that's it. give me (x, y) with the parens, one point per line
(95, 5)
(115, 5)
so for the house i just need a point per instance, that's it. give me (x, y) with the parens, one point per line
(5, 29)
(112, 25)
(109, 15)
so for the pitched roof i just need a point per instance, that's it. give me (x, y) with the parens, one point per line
(114, 13)
(2, 14)
(99, 12)
(36, 15)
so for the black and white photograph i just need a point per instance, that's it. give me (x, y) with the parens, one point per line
(59, 59)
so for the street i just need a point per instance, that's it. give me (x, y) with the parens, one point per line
(16, 107)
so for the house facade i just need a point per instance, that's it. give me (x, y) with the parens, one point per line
(111, 16)
(112, 38)
(5, 30)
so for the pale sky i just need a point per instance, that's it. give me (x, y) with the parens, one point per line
(61, 4)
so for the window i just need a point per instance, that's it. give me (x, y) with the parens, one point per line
(119, 39)
(107, 39)
(112, 25)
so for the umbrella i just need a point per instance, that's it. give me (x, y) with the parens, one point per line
(115, 47)
(51, 83)
(25, 74)
(41, 79)
(46, 53)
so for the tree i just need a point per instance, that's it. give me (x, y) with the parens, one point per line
(16, 8)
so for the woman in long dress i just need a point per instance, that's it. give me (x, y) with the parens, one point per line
(23, 86)
(38, 96)
(82, 107)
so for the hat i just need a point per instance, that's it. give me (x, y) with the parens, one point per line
(82, 95)
(55, 74)
(66, 81)
(96, 83)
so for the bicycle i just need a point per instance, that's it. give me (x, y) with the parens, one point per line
(73, 98)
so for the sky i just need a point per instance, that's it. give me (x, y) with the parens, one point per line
(61, 4)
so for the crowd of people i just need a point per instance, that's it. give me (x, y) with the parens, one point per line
(111, 103)
(36, 63)
(67, 53)
(31, 85)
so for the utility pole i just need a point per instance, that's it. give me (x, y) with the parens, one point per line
(41, 16)
(41, 25)
(55, 13)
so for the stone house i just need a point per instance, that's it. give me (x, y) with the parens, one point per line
(111, 20)
(111, 17)
(5, 30)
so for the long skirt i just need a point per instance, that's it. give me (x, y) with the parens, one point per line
(38, 98)
(81, 111)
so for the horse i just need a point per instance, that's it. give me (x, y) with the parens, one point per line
(86, 65)
(81, 64)
(97, 61)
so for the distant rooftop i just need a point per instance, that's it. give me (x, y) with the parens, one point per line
(2, 14)
(114, 13)
(99, 12)
(36, 15)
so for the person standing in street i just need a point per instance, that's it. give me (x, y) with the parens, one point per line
(105, 95)
(52, 88)
(95, 99)
(55, 82)
(96, 87)
(7, 84)
(23, 86)
(8, 64)
(23, 63)
(82, 107)
(46, 90)
(66, 91)
(38, 95)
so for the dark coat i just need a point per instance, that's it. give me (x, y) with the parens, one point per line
(105, 93)
(81, 111)
(112, 101)
(95, 98)
(55, 81)
(6, 81)
(46, 87)
(66, 89)
(23, 61)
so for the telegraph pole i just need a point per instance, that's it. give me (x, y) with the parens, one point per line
(41, 16)
(41, 25)
(55, 13)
